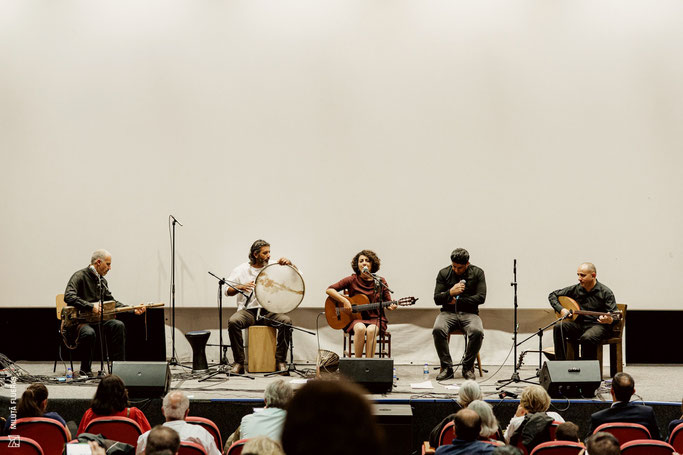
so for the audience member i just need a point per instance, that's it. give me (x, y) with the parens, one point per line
(489, 424)
(567, 431)
(269, 421)
(469, 391)
(331, 417)
(262, 445)
(674, 423)
(162, 440)
(602, 443)
(534, 400)
(33, 403)
(622, 410)
(467, 429)
(176, 407)
(111, 399)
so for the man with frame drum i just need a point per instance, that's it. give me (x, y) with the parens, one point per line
(249, 309)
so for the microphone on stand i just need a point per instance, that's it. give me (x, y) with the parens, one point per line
(174, 220)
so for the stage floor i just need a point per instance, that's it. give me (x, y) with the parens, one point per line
(654, 383)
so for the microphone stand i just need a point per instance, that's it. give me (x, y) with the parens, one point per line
(223, 362)
(379, 287)
(515, 374)
(103, 351)
(173, 360)
(282, 326)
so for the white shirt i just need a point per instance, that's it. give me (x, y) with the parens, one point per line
(187, 432)
(243, 274)
(266, 422)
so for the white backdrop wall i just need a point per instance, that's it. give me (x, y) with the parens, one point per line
(549, 132)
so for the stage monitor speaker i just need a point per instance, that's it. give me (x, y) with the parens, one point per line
(376, 375)
(143, 379)
(571, 378)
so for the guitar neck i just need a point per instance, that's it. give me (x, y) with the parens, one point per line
(133, 308)
(596, 313)
(372, 306)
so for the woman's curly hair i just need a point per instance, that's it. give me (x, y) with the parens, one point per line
(368, 254)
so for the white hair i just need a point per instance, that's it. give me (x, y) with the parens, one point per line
(489, 424)
(99, 254)
(278, 394)
(469, 391)
(175, 405)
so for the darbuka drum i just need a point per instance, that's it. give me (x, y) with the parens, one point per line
(279, 288)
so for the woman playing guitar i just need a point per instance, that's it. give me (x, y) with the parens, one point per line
(364, 264)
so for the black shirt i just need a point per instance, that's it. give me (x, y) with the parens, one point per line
(600, 298)
(473, 295)
(83, 290)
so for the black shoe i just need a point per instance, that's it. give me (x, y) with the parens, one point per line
(469, 374)
(237, 368)
(445, 373)
(83, 374)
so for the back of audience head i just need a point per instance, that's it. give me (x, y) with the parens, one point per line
(567, 431)
(262, 445)
(333, 417)
(489, 423)
(534, 399)
(162, 440)
(507, 450)
(469, 391)
(602, 443)
(278, 394)
(175, 406)
(110, 397)
(467, 425)
(33, 401)
(623, 387)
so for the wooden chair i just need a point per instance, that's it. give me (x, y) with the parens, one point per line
(646, 447)
(383, 344)
(121, 429)
(676, 438)
(557, 448)
(616, 353)
(191, 448)
(60, 304)
(19, 445)
(50, 434)
(209, 426)
(625, 432)
(460, 332)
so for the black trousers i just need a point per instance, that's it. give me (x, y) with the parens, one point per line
(114, 339)
(246, 318)
(588, 335)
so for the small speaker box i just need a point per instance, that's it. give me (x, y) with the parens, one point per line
(571, 378)
(376, 375)
(143, 379)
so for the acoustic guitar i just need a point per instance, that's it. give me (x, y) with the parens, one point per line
(575, 310)
(338, 317)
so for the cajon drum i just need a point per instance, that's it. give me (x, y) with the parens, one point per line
(261, 350)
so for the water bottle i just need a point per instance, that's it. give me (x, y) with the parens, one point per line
(69, 374)
(395, 377)
(425, 372)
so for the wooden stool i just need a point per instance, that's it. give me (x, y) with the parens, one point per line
(460, 332)
(261, 349)
(382, 342)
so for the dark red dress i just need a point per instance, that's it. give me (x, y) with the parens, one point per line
(355, 285)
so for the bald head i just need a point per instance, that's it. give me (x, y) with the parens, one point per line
(587, 275)
(175, 406)
(467, 425)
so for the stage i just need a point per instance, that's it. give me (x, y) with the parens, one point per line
(226, 399)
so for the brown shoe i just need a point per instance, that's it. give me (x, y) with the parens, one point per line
(237, 368)
(282, 368)
(469, 374)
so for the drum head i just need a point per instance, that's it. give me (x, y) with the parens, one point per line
(279, 288)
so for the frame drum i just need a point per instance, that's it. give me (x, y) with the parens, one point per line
(279, 288)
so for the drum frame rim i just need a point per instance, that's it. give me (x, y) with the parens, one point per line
(303, 286)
